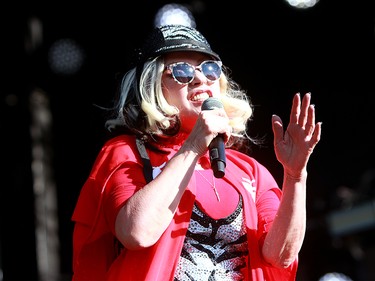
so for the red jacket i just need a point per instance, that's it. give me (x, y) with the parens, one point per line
(94, 253)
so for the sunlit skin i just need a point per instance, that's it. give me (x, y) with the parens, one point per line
(189, 98)
(147, 214)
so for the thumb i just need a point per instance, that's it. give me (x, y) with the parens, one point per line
(277, 128)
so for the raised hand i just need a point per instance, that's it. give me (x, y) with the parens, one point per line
(294, 146)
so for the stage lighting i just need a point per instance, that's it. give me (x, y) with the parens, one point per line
(174, 14)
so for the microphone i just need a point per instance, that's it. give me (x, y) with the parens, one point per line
(216, 147)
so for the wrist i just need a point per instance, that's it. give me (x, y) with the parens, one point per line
(295, 176)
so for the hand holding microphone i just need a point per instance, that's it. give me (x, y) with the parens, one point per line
(216, 147)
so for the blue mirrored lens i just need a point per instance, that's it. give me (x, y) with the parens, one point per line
(184, 73)
(211, 70)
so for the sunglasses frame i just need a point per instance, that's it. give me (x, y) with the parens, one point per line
(198, 67)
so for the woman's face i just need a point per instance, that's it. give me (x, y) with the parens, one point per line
(188, 98)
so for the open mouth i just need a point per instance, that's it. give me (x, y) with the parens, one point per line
(200, 97)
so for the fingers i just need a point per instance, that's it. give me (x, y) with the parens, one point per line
(306, 119)
(216, 122)
(295, 111)
(304, 112)
(310, 123)
(316, 134)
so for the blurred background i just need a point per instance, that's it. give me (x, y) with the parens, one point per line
(61, 61)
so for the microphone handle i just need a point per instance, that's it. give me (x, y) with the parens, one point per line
(217, 156)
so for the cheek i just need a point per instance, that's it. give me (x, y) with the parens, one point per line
(167, 88)
(172, 92)
(168, 95)
(216, 89)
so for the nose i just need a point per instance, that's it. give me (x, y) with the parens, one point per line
(199, 77)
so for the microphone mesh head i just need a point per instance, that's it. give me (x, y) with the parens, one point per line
(211, 103)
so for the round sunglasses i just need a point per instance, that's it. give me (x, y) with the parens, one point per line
(184, 73)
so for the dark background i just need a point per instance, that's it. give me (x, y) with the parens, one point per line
(273, 50)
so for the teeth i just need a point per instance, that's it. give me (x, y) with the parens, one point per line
(202, 96)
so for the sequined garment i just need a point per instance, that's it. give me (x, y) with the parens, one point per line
(213, 249)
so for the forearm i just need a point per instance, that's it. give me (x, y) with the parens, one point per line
(285, 237)
(147, 214)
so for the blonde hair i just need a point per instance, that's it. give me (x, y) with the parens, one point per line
(143, 92)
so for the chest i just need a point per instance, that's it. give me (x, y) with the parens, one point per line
(215, 196)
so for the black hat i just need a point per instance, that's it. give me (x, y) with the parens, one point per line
(172, 38)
